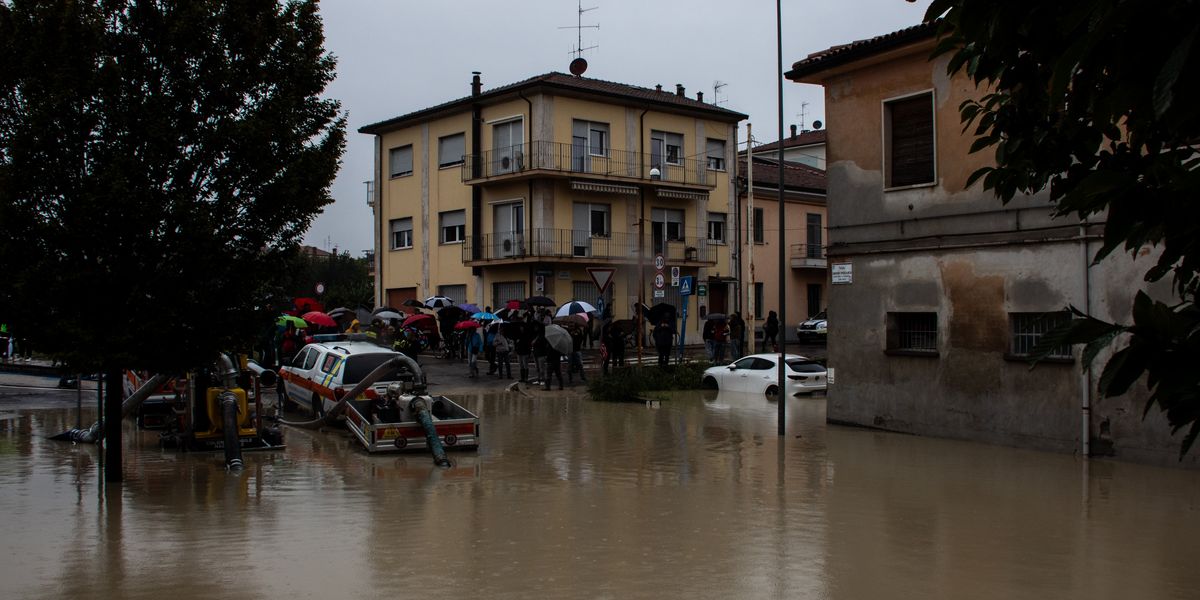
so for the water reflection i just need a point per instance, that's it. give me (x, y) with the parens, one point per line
(695, 496)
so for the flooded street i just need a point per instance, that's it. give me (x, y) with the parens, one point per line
(567, 498)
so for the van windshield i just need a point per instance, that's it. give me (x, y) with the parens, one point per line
(359, 366)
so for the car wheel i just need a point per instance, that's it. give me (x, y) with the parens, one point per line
(709, 383)
(772, 391)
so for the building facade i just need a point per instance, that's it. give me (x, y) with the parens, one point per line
(518, 190)
(940, 291)
(806, 268)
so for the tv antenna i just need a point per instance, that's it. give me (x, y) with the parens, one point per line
(578, 50)
(803, 111)
(717, 86)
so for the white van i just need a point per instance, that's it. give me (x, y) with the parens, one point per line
(322, 372)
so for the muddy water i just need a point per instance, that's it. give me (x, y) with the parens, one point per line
(696, 498)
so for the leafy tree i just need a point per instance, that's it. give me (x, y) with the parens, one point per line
(1097, 100)
(159, 162)
(347, 279)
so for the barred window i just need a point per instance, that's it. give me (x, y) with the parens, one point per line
(1027, 330)
(912, 331)
(457, 293)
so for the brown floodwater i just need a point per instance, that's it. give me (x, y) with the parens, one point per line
(694, 497)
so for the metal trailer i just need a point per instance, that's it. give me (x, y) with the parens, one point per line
(392, 426)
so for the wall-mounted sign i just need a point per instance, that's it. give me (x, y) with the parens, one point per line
(840, 273)
(701, 289)
(660, 293)
(659, 281)
(564, 274)
(539, 283)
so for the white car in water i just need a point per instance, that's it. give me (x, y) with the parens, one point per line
(323, 371)
(759, 374)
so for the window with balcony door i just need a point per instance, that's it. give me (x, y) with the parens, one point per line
(508, 138)
(666, 226)
(758, 233)
(814, 246)
(716, 228)
(666, 148)
(716, 154)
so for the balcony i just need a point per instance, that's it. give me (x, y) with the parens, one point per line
(580, 246)
(540, 159)
(808, 256)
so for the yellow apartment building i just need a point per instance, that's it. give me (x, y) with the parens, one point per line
(519, 190)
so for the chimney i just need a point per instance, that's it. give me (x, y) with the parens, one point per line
(699, 96)
(476, 86)
(658, 88)
(793, 131)
(679, 89)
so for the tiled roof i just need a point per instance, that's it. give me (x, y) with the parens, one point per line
(639, 96)
(796, 176)
(845, 53)
(807, 138)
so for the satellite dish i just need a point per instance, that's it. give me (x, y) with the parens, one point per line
(578, 66)
(816, 124)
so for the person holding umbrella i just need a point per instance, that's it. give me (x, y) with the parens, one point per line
(474, 347)
(503, 350)
(553, 366)
(663, 342)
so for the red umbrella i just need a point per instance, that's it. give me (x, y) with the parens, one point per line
(417, 319)
(466, 325)
(513, 304)
(308, 305)
(319, 318)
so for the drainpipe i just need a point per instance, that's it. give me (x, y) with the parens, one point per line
(641, 235)
(529, 202)
(1085, 375)
(476, 171)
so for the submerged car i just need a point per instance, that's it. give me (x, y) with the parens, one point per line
(322, 372)
(759, 374)
(813, 329)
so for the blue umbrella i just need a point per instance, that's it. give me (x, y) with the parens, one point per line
(468, 307)
(484, 316)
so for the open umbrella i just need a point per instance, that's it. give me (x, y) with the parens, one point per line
(661, 312)
(540, 301)
(296, 322)
(559, 339)
(468, 307)
(716, 317)
(416, 319)
(574, 307)
(626, 326)
(413, 302)
(508, 314)
(388, 315)
(450, 314)
(461, 325)
(304, 305)
(382, 309)
(340, 312)
(484, 316)
(514, 304)
(319, 318)
(438, 302)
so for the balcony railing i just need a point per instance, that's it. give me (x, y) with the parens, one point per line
(565, 244)
(578, 159)
(808, 256)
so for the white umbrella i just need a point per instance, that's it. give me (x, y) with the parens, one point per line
(559, 339)
(438, 302)
(574, 307)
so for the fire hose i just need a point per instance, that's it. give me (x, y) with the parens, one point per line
(94, 433)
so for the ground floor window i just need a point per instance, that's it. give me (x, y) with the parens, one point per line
(588, 292)
(1027, 329)
(912, 332)
(504, 291)
(457, 293)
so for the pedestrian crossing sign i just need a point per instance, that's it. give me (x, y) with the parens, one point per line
(686, 284)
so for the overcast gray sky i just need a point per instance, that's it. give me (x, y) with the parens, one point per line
(399, 56)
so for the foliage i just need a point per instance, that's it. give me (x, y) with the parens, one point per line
(629, 383)
(159, 162)
(347, 280)
(1096, 99)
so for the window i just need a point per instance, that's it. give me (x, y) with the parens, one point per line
(758, 300)
(451, 149)
(457, 293)
(402, 234)
(598, 220)
(1027, 330)
(665, 148)
(716, 155)
(909, 141)
(667, 226)
(814, 236)
(504, 291)
(400, 161)
(716, 227)
(912, 332)
(454, 226)
(507, 139)
(757, 227)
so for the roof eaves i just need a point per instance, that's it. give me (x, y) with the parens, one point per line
(848, 53)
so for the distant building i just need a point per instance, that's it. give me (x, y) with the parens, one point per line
(516, 191)
(806, 269)
(939, 291)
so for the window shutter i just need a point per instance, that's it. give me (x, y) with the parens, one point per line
(912, 141)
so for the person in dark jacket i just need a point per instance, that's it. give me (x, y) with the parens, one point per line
(553, 366)
(737, 336)
(770, 330)
(663, 341)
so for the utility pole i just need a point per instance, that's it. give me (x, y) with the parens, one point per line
(750, 308)
(782, 229)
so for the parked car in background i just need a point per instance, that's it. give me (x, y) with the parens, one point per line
(812, 329)
(759, 374)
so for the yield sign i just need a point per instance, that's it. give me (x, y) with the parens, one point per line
(601, 276)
